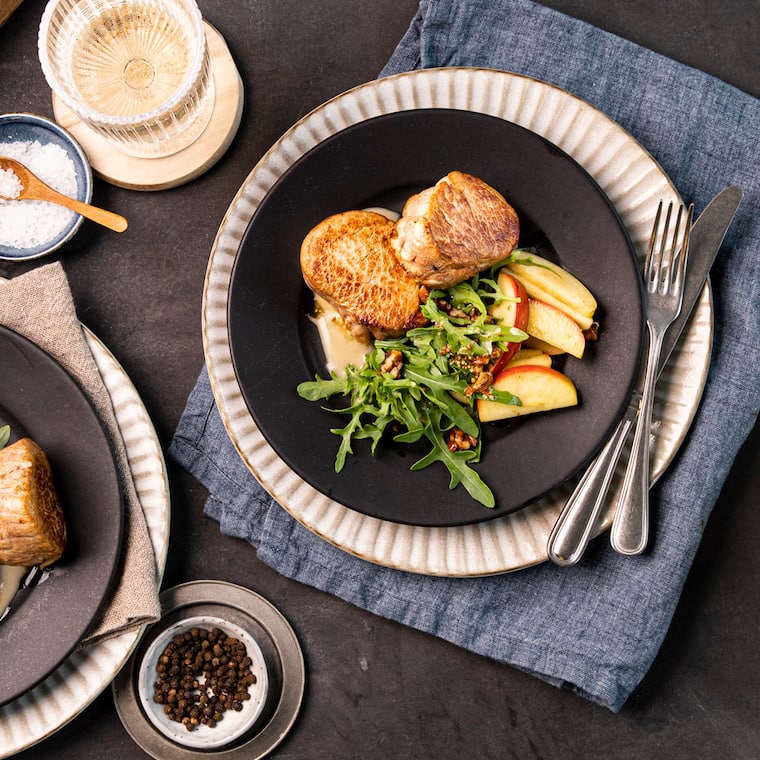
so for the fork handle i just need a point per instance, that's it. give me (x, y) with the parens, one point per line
(630, 524)
(572, 531)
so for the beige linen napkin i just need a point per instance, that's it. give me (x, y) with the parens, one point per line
(39, 306)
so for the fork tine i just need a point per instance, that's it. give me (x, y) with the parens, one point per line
(677, 283)
(652, 242)
(654, 274)
(672, 276)
(669, 276)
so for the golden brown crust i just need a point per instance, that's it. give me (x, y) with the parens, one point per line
(457, 228)
(347, 259)
(32, 525)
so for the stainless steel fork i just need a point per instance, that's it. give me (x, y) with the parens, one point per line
(577, 521)
(664, 282)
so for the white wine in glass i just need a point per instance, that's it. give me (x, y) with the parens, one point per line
(138, 72)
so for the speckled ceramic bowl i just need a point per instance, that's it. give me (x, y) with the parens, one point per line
(19, 129)
(234, 724)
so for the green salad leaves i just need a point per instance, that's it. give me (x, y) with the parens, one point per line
(424, 384)
(5, 435)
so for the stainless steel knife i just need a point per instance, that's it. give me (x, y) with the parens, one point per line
(573, 529)
(706, 237)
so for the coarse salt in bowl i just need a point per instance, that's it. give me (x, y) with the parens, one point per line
(30, 229)
(235, 723)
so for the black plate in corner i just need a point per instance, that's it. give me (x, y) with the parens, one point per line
(39, 399)
(380, 162)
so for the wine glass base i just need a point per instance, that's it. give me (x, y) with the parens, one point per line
(164, 172)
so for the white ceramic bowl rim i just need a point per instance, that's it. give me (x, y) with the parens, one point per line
(234, 724)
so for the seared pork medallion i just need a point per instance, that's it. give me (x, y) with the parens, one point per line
(453, 230)
(347, 259)
(32, 525)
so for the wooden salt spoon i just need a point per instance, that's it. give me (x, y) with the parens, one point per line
(34, 189)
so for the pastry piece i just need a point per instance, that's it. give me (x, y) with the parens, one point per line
(347, 259)
(453, 230)
(32, 525)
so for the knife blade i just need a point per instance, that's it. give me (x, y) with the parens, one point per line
(705, 239)
(572, 531)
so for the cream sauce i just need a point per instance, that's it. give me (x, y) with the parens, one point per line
(10, 577)
(386, 212)
(340, 347)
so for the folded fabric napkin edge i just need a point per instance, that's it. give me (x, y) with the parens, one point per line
(39, 305)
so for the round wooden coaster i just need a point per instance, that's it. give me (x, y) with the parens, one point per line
(164, 172)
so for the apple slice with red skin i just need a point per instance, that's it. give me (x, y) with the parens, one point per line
(549, 324)
(546, 281)
(540, 389)
(511, 313)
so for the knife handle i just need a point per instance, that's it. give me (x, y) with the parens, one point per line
(572, 531)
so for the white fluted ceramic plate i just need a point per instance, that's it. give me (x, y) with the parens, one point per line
(627, 174)
(88, 671)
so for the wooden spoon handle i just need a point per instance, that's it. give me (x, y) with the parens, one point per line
(108, 219)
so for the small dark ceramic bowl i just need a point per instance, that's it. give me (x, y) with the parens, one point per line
(22, 127)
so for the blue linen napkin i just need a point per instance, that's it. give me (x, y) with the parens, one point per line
(594, 628)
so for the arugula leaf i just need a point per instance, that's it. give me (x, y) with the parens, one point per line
(5, 435)
(319, 388)
(523, 256)
(457, 463)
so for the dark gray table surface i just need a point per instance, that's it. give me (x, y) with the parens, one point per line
(376, 689)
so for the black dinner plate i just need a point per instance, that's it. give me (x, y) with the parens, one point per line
(381, 162)
(40, 400)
